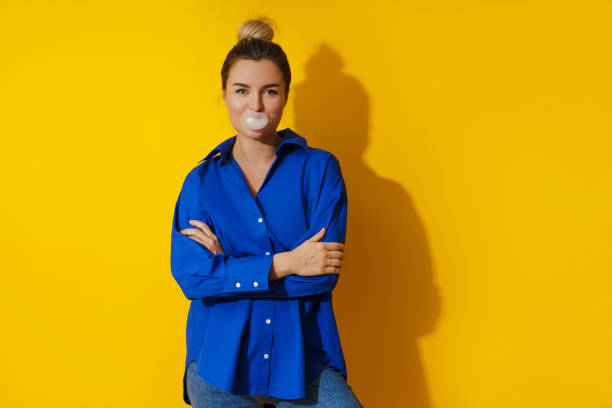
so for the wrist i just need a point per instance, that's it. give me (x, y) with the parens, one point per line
(281, 265)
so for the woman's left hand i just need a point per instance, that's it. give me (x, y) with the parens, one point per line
(204, 235)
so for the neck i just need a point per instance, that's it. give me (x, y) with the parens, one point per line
(256, 151)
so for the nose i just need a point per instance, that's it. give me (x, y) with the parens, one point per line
(256, 104)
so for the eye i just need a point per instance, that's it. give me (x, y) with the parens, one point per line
(240, 89)
(273, 91)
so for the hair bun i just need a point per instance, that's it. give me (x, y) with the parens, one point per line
(260, 28)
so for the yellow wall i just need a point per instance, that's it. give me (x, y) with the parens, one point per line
(475, 141)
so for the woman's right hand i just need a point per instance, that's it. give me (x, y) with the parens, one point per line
(313, 258)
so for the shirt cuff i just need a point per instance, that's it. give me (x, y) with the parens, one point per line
(250, 274)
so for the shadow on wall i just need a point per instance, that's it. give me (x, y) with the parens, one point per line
(386, 296)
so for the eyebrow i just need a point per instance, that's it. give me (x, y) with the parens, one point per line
(246, 86)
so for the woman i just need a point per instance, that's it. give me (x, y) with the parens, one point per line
(257, 246)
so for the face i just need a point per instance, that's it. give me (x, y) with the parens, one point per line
(257, 86)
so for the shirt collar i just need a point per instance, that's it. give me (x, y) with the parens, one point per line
(288, 136)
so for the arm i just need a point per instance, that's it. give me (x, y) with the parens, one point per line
(199, 272)
(328, 209)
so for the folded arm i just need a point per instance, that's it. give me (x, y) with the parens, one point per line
(200, 273)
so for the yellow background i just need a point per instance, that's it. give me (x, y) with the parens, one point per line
(474, 137)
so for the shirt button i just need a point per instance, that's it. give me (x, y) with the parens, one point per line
(237, 284)
(256, 284)
(268, 321)
(260, 219)
(266, 356)
(267, 252)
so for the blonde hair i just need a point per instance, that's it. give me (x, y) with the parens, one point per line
(260, 28)
(254, 43)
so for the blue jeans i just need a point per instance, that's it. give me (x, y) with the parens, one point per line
(328, 390)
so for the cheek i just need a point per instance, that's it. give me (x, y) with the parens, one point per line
(234, 104)
(235, 109)
(276, 106)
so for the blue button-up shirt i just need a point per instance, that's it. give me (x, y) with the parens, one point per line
(250, 335)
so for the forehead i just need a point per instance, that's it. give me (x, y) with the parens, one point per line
(253, 72)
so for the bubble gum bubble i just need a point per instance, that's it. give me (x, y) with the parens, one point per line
(254, 120)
